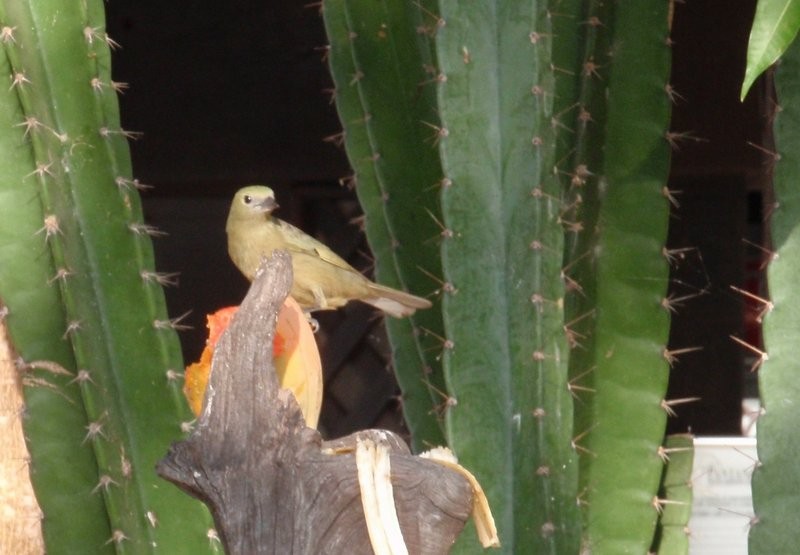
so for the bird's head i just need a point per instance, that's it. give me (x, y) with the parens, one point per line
(253, 200)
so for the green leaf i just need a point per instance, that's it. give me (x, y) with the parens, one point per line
(774, 28)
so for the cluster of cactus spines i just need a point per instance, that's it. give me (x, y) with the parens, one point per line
(776, 500)
(390, 132)
(584, 75)
(92, 291)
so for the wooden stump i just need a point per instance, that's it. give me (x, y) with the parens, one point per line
(271, 483)
(20, 515)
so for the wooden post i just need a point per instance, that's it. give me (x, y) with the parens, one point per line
(20, 515)
(271, 483)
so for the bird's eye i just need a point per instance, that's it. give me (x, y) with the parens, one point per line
(248, 199)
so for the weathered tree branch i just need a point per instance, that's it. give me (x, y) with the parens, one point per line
(271, 483)
(20, 515)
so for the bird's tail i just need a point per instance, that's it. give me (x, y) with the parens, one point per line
(395, 303)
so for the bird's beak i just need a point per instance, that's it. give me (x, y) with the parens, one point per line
(267, 205)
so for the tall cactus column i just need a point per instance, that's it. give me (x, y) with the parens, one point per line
(77, 274)
(776, 499)
(551, 223)
(617, 270)
(65, 469)
(390, 131)
(506, 351)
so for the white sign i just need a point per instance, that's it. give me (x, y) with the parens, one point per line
(722, 506)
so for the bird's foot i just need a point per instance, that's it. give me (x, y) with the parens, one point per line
(312, 322)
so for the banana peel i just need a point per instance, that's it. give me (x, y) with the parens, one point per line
(298, 367)
(372, 463)
(481, 512)
(377, 498)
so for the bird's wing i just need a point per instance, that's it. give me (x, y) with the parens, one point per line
(298, 241)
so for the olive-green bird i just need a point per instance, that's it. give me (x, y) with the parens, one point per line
(322, 279)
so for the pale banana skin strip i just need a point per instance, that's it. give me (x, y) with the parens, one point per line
(377, 498)
(481, 512)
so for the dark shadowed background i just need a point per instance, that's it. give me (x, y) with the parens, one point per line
(229, 94)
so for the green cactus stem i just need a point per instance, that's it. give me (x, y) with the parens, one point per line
(776, 499)
(506, 356)
(675, 497)
(551, 223)
(390, 132)
(83, 295)
(616, 268)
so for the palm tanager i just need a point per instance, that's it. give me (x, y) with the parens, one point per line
(322, 279)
